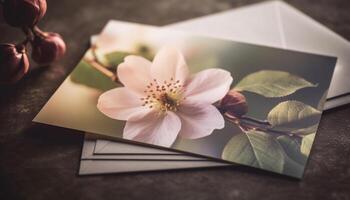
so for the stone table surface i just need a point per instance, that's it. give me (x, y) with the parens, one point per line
(41, 162)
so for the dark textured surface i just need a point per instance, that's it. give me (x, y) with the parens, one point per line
(41, 162)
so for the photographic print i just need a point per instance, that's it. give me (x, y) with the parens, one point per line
(246, 104)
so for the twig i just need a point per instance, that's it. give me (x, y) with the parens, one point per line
(94, 54)
(101, 69)
(258, 121)
(247, 123)
(100, 66)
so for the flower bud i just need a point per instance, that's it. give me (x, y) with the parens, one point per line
(24, 13)
(234, 103)
(14, 63)
(47, 47)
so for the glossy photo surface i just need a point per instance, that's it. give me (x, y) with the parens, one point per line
(247, 104)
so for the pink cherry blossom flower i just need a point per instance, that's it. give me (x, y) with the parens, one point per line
(160, 100)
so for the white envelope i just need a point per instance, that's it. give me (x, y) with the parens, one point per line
(89, 146)
(272, 23)
(278, 24)
(103, 164)
(89, 167)
(104, 147)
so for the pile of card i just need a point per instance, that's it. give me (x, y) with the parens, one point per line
(221, 90)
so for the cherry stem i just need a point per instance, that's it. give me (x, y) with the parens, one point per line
(36, 31)
(29, 33)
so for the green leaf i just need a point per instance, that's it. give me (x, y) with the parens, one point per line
(257, 149)
(115, 58)
(305, 131)
(293, 116)
(291, 146)
(145, 51)
(306, 143)
(294, 160)
(271, 83)
(293, 168)
(87, 75)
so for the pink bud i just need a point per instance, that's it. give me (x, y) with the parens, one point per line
(234, 103)
(47, 47)
(14, 63)
(24, 13)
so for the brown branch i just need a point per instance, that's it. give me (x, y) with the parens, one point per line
(101, 69)
(247, 123)
(100, 66)
(94, 54)
(254, 120)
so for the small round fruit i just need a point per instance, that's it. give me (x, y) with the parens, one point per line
(14, 63)
(24, 13)
(47, 47)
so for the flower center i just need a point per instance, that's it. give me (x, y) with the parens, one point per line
(166, 96)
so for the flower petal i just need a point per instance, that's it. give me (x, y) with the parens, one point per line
(134, 73)
(121, 104)
(208, 86)
(154, 129)
(198, 121)
(169, 63)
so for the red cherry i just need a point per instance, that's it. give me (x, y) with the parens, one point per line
(47, 47)
(24, 13)
(14, 63)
